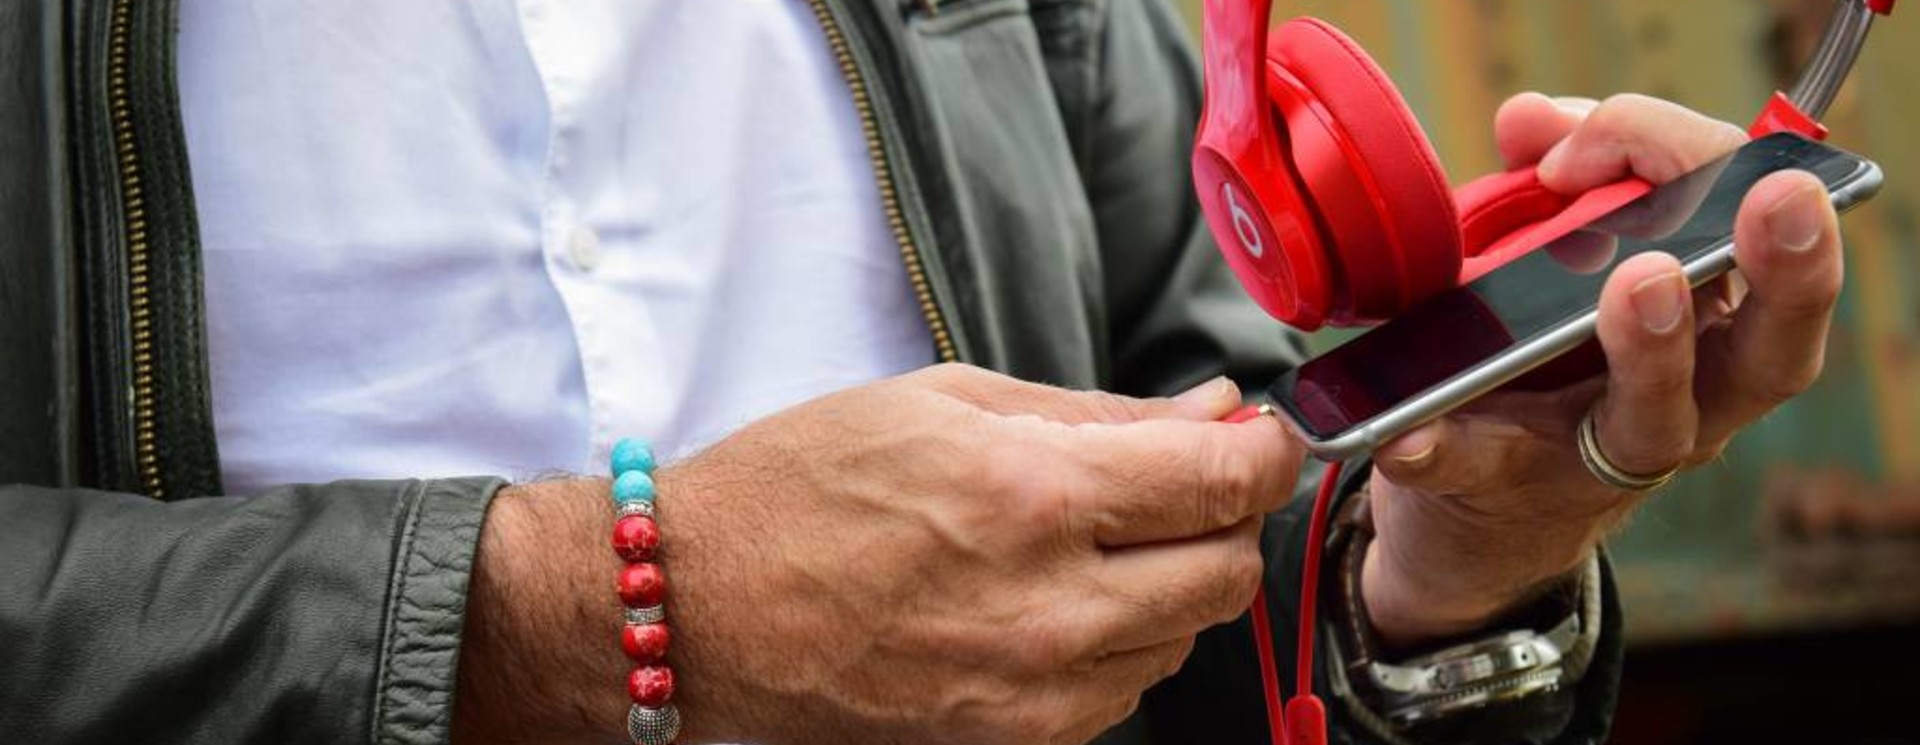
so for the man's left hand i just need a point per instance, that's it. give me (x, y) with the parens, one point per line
(1477, 512)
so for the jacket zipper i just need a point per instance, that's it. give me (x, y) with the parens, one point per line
(133, 207)
(883, 176)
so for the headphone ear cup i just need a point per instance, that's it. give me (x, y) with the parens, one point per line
(1372, 176)
(1248, 191)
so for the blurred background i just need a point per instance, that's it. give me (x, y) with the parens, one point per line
(1774, 597)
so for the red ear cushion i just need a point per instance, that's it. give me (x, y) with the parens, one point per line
(1392, 154)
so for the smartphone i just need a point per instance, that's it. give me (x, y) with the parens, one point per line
(1450, 349)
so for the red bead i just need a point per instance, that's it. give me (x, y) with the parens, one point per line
(635, 537)
(642, 585)
(645, 643)
(650, 685)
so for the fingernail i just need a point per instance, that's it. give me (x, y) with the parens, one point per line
(1416, 458)
(1659, 301)
(1550, 163)
(1421, 442)
(1795, 221)
(1576, 106)
(1204, 392)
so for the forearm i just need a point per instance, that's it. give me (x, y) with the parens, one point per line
(539, 661)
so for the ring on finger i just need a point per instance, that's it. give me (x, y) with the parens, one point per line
(1604, 469)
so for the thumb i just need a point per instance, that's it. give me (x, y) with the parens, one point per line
(1008, 396)
(1434, 459)
(1205, 402)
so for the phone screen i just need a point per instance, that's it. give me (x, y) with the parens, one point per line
(1505, 312)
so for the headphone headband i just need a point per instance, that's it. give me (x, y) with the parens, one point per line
(1840, 45)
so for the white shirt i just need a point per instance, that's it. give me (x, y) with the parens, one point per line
(490, 237)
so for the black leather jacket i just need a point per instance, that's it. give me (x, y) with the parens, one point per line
(1032, 158)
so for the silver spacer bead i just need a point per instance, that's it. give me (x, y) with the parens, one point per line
(636, 508)
(649, 614)
(648, 726)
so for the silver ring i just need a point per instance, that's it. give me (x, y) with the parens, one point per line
(1610, 474)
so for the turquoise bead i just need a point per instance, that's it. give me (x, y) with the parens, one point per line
(630, 454)
(633, 486)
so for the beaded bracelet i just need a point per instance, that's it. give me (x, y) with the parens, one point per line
(652, 719)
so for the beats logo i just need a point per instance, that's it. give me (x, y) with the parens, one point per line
(1243, 225)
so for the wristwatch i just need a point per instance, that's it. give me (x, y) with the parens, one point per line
(1536, 651)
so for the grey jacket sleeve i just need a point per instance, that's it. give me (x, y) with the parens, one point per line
(1179, 317)
(320, 614)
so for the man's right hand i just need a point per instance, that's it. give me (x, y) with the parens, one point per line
(947, 556)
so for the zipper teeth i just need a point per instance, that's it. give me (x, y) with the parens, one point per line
(133, 204)
(883, 175)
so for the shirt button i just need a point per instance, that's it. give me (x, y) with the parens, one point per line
(583, 249)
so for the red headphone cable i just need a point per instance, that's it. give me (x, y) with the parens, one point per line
(1303, 715)
(1306, 717)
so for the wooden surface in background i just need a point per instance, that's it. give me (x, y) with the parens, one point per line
(1813, 520)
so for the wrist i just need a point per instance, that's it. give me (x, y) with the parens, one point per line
(714, 707)
(1445, 688)
(540, 659)
(535, 665)
(1432, 573)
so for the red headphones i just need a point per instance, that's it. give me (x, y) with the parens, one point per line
(1331, 207)
(1327, 198)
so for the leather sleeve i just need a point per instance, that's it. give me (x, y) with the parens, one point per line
(1179, 317)
(307, 614)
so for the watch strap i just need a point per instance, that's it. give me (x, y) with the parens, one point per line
(1547, 646)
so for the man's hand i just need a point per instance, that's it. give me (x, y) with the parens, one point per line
(949, 556)
(1478, 511)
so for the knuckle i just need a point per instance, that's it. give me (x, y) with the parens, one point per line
(1018, 486)
(1003, 470)
(1710, 452)
(1105, 406)
(1661, 369)
(1814, 301)
(1030, 724)
(1662, 380)
(1644, 446)
(1236, 476)
(1243, 580)
(1228, 589)
(1118, 711)
(1785, 383)
(1730, 135)
(1042, 648)
(1654, 454)
(1799, 290)
(1624, 101)
(1176, 658)
(1620, 109)
(948, 373)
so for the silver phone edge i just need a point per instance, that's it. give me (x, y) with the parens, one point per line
(1857, 187)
